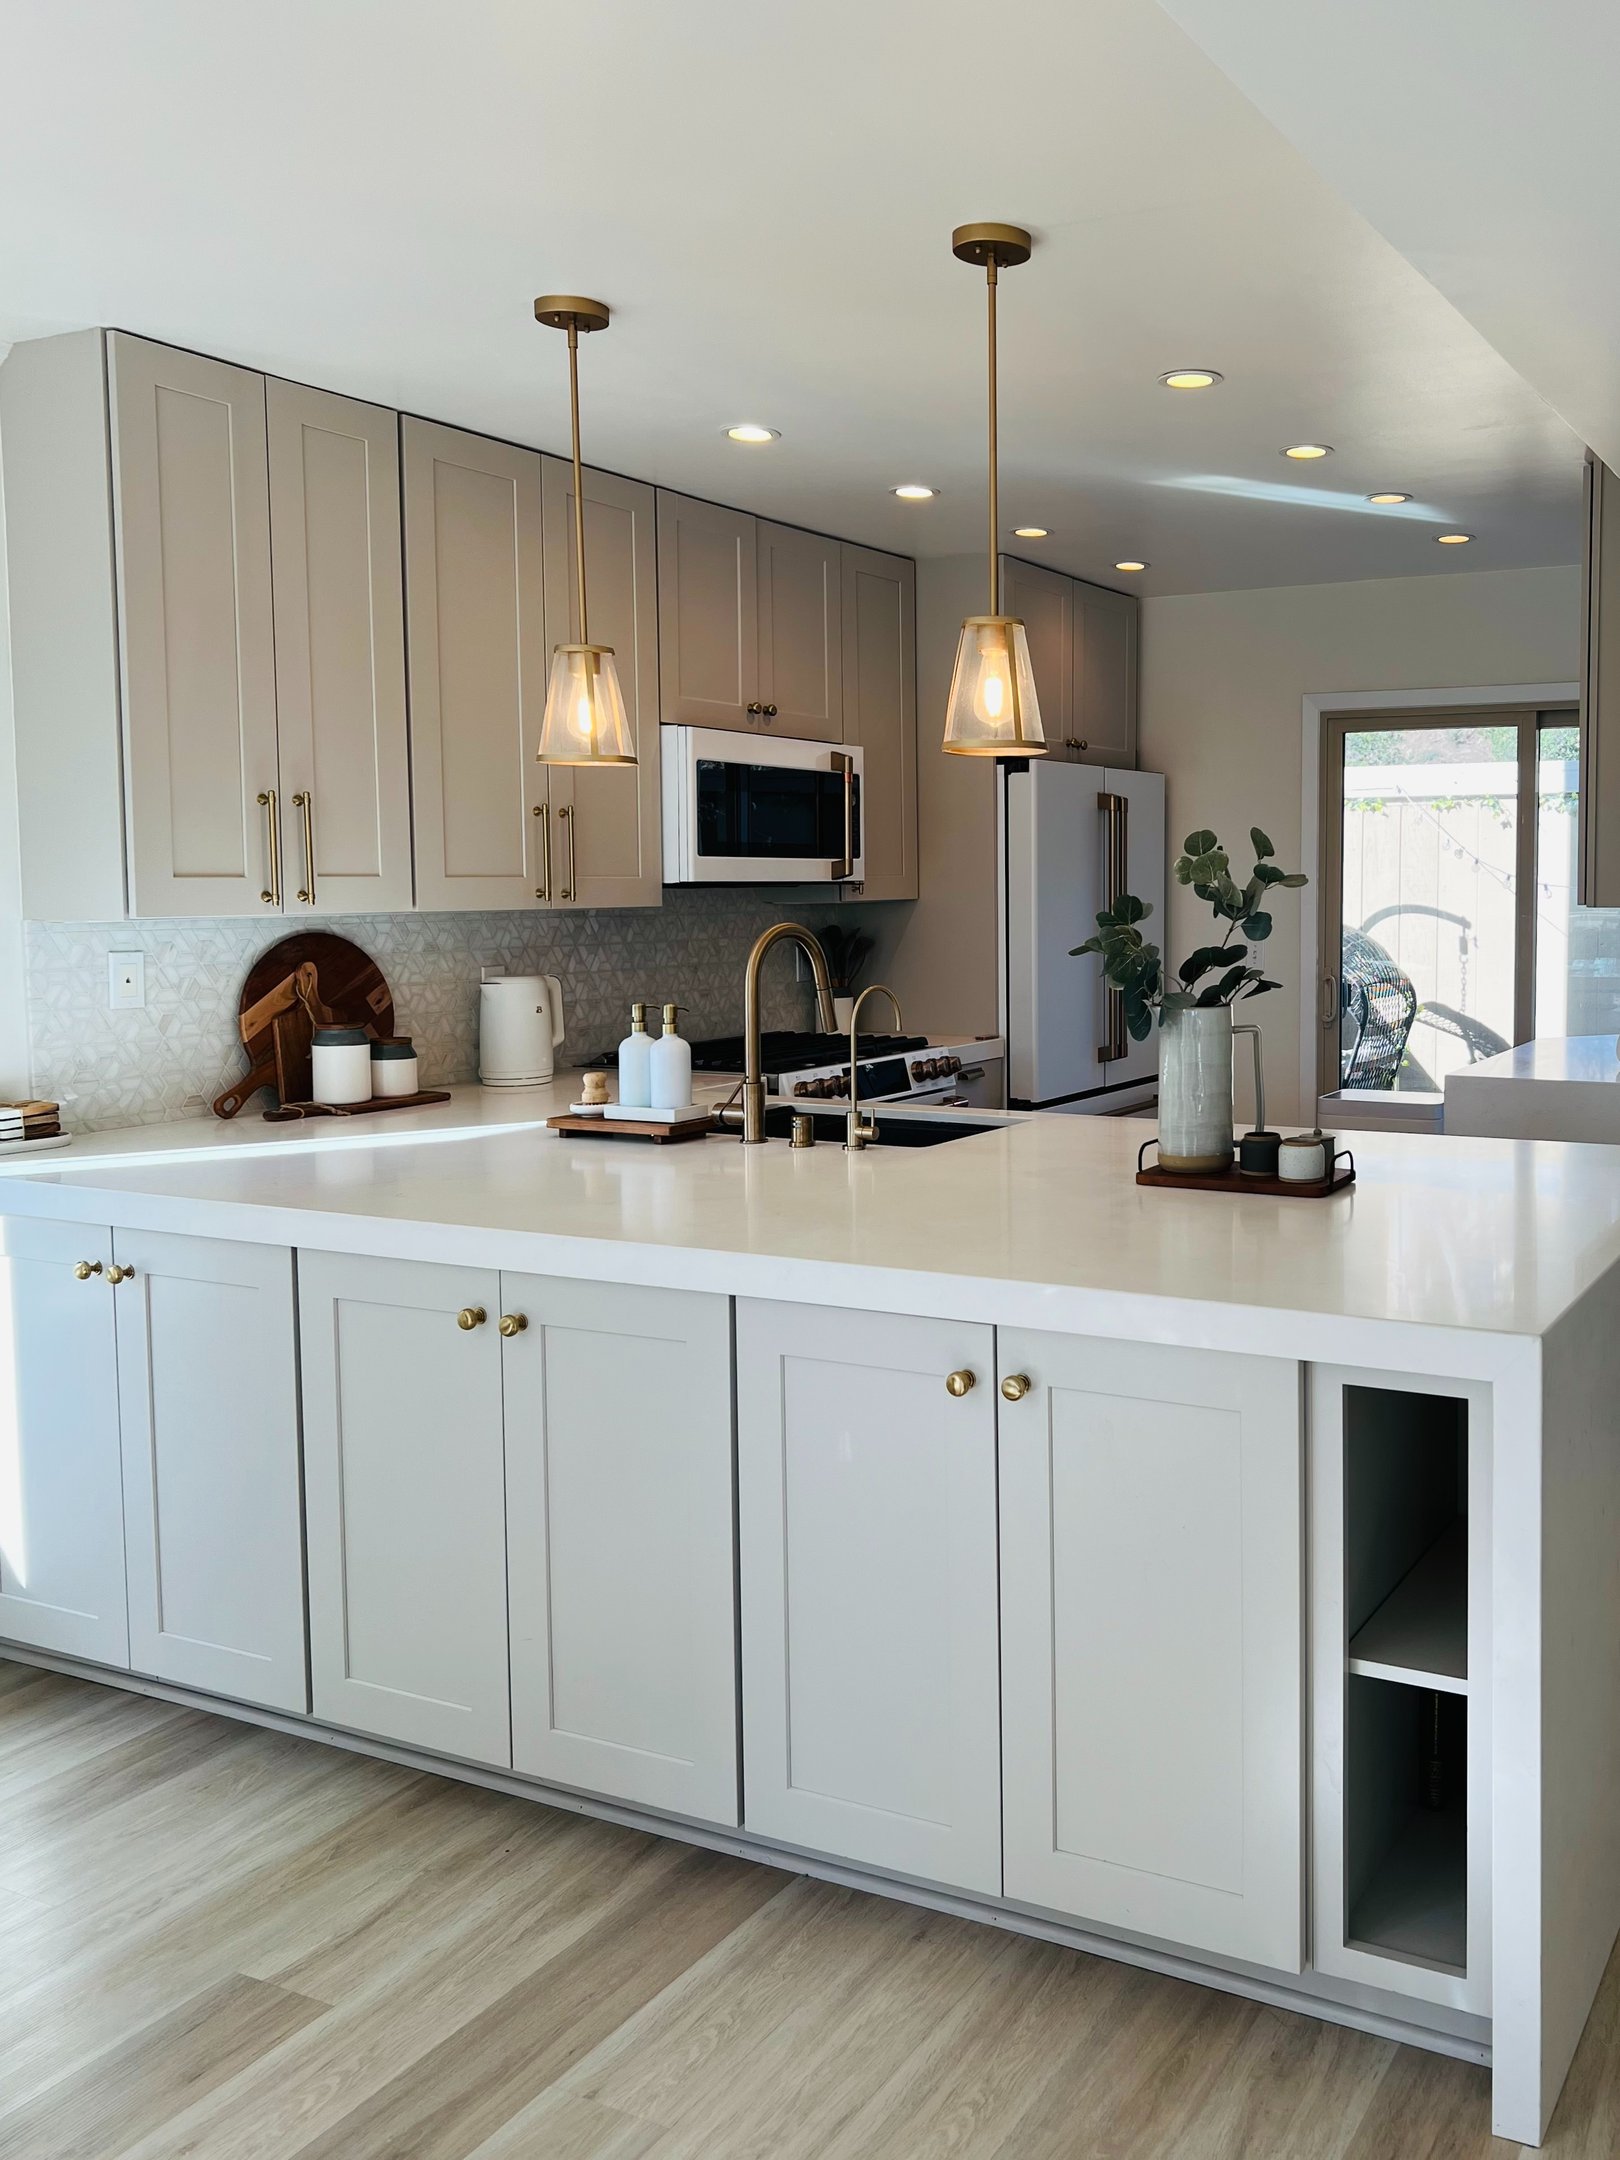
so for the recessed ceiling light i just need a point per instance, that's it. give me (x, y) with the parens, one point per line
(1191, 378)
(1389, 495)
(1029, 532)
(914, 491)
(1453, 539)
(1130, 566)
(751, 431)
(1306, 450)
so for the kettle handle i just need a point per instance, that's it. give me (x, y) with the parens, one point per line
(555, 987)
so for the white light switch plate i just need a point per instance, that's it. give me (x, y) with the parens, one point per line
(126, 980)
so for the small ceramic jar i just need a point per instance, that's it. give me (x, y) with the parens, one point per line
(1305, 1158)
(340, 1062)
(393, 1066)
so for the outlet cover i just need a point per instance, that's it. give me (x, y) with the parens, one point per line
(126, 981)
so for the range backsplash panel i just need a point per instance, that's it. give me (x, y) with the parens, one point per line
(170, 1058)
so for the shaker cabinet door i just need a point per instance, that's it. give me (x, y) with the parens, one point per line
(620, 1528)
(61, 1490)
(880, 713)
(708, 614)
(1151, 1642)
(801, 641)
(867, 1509)
(474, 611)
(1104, 674)
(405, 1502)
(1043, 600)
(191, 498)
(208, 1391)
(340, 651)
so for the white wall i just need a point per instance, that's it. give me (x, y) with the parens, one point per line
(1223, 678)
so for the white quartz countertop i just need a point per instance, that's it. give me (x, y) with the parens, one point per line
(1558, 1087)
(1039, 1222)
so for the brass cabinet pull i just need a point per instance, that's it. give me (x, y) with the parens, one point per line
(271, 896)
(117, 1274)
(542, 811)
(959, 1383)
(304, 800)
(843, 763)
(471, 1316)
(87, 1268)
(565, 818)
(1016, 1386)
(513, 1323)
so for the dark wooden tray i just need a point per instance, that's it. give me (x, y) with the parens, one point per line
(288, 1110)
(1235, 1180)
(601, 1128)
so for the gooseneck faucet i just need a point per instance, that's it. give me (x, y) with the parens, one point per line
(860, 1131)
(753, 1086)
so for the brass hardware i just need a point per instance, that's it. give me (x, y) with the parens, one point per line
(860, 1131)
(565, 818)
(770, 712)
(845, 764)
(513, 1323)
(304, 800)
(271, 896)
(543, 812)
(1016, 1386)
(960, 1383)
(754, 706)
(87, 1268)
(1075, 742)
(1117, 808)
(471, 1316)
(117, 1274)
(753, 1083)
(804, 1130)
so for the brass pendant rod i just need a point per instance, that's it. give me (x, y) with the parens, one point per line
(579, 478)
(995, 502)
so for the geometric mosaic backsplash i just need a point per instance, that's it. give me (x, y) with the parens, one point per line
(170, 1058)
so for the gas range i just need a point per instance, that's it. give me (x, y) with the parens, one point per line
(815, 1066)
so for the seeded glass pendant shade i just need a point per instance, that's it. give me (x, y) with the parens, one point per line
(585, 722)
(993, 709)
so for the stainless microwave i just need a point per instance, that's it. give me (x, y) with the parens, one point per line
(756, 810)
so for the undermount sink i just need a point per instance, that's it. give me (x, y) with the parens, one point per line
(895, 1130)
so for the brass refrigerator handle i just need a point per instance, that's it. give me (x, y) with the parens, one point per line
(272, 819)
(304, 800)
(842, 763)
(1117, 808)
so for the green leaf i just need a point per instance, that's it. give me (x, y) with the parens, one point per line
(1200, 843)
(1091, 945)
(1128, 909)
(1259, 986)
(1294, 877)
(1268, 873)
(1207, 957)
(1257, 926)
(1138, 1023)
(1262, 846)
(1177, 1001)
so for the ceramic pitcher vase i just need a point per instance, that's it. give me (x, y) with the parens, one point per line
(1195, 1089)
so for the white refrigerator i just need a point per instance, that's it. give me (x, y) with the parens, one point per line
(1073, 837)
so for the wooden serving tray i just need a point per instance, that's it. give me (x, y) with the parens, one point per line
(594, 1128)
(287, 1110)
(1235, 1180)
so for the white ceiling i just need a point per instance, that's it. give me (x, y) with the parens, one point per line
(368, 193)
(1480, 137)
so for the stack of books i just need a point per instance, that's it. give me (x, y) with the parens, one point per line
(29, 1121)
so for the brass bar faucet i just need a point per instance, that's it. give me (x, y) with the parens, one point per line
(753, 1085)
(859, 1131)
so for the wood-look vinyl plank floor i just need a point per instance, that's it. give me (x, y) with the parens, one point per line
(223, 1944)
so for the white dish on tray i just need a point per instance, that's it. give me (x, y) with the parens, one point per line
(31, 1147)
(683, 1116)
(587, 1109)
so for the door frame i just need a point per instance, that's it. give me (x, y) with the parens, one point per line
(1315, 710)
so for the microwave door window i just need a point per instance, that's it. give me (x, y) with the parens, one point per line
(768, 813)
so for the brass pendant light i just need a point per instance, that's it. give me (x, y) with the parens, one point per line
(585, 721)
(993, 710)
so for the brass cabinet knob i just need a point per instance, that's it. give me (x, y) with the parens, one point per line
(1016, 1386)
(754, 706)
(770, 712)
(471, 1316)
(87, 1268)
(958, 1383)
(513, 1323)
(117, 1274)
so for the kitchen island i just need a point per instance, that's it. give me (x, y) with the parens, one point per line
(1230, 1584)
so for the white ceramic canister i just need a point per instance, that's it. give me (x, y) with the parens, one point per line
(1195, 1089)
(340, 1065)
(1304, 1158)
(393, 1066)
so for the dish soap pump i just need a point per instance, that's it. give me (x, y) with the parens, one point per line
(671, 1067)
(635, 1055)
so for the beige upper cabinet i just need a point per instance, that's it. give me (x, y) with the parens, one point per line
(1082, 647)
(801, 655)
(606, 830)
(708, 614)
(880, 712)
(191, 516)
(474, 598)
(340, 651)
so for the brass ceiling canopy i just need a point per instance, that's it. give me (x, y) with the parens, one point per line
(567, 311)
(987, 242)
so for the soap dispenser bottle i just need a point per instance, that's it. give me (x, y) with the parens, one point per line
(635, 1054)
(671, 1067)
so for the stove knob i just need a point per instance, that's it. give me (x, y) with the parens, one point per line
(919, 1071)
(953, 1065)
(934, 1068)
(801, 1087)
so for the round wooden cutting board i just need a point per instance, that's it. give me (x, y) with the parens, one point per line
(350, 986)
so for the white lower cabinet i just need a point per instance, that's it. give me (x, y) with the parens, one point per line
(620, 1541)
(208, 1395)
(1151, 1642)
(867, 1517)
(405, 1501)
(61, 1492)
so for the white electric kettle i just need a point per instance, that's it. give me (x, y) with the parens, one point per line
(520, 1023)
